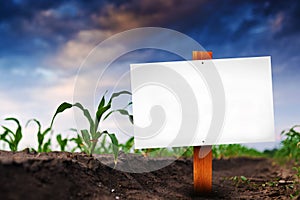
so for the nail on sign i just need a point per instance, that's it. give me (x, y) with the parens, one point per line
(202, 102)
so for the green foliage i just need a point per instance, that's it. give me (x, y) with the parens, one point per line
(270, 153)
(239, 179)
(12, 138)
(79, 143)
(220, 151)
(104, 147)
(296, 193)
(297, 169)
(290, 146)
(186, 152)
(91, 135)
(42, 146)
(127, 146)
(234, 150)
(107, 148)
(166, 152)
(62, 142)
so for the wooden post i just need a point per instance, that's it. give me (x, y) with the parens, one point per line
(202, 166)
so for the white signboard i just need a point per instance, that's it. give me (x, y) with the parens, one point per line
(202, 102)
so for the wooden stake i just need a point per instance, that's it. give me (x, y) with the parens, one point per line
(202, 166)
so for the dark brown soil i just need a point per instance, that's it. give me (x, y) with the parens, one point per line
(56, 175)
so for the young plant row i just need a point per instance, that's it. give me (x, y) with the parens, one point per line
(13, 137)
(86, 139)
(290, 146)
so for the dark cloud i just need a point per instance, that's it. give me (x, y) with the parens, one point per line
(42, 26)
(25, 9)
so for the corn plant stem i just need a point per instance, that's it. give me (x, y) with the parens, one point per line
(94, 143)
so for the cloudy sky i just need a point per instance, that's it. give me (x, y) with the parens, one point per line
(44, 42)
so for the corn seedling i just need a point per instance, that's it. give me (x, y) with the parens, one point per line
(290, 145)
(79, 143)
(10, 137)
(91, 136)
(127, 146)
(234, 150)
(296, 184)
(237, 180)
(62, 142)
(297, 169)
(42, 147)
(104, 147)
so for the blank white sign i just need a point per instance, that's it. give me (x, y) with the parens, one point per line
(194, 103)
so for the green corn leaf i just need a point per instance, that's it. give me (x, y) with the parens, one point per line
(125, 112)
(8, 142)
(13, 119)
(103, 144)
(115, 144)
(131, 118)
(46, 146)
(36, 121)
(243, 178)
(40, 141)
(59, 139)
(61, 108)
(86, 137)
(46, 131)
(108, 114)
(87, 114)
(97, 135)
(3, 135)
(18, 135)
(102, 102)
(10, 139)
(122, 112)
(40, 136)
(114, 95)
(62, 142)
(129, 143)
(103, 141)
(100, 112)
(103, 108)
(77, 140)
(8, 130)
(73, 129)
(12, 146)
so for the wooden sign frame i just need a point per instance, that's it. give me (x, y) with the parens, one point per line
(203, 165)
